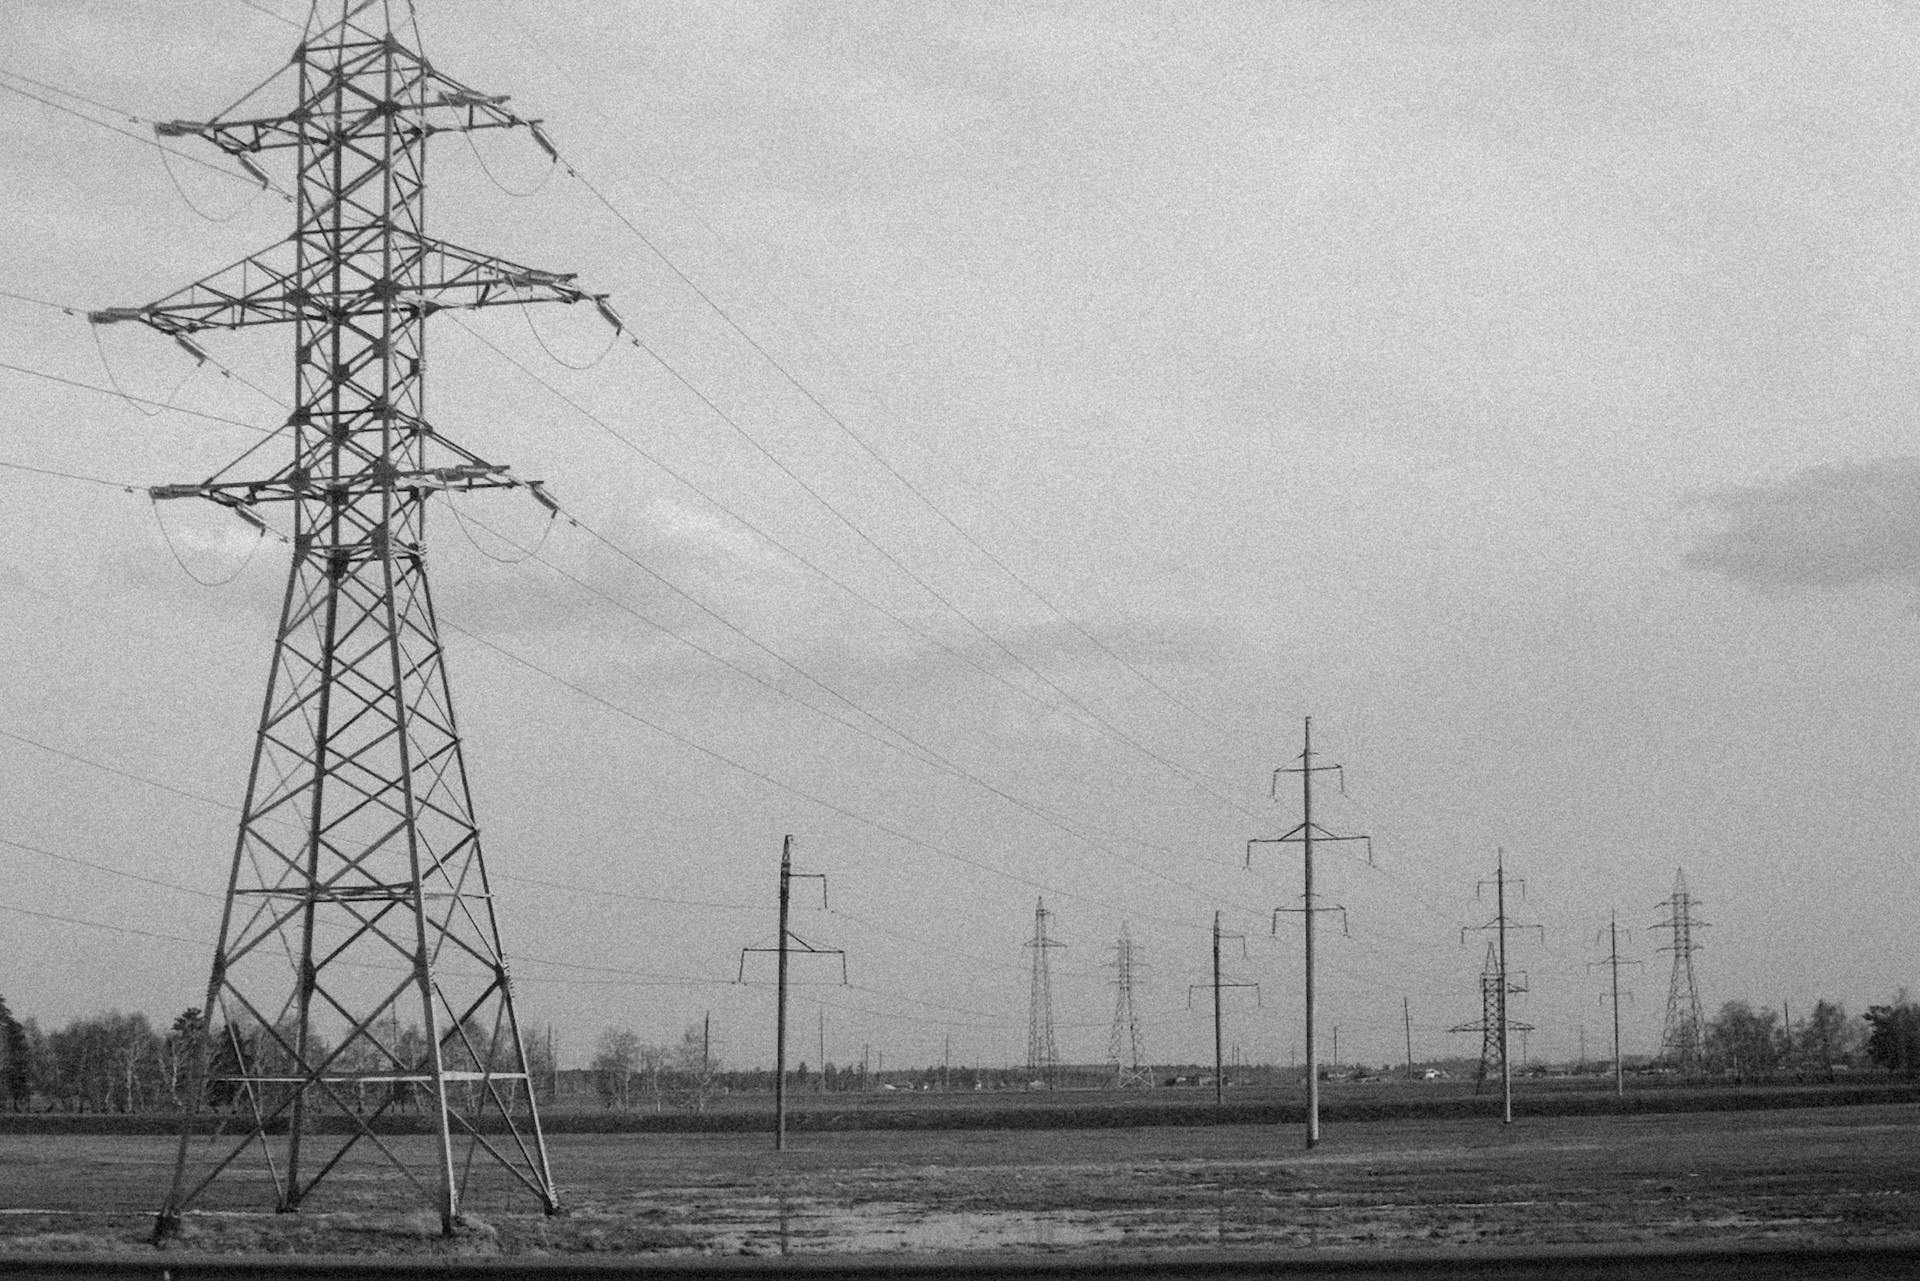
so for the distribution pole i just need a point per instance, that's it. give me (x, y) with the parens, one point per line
(1619, 1068)
(1304, 835)
(1613, 964)
(1406, 1019)
(780, 1019)
(1503, 983)
(1219, 1073)
(787, 938)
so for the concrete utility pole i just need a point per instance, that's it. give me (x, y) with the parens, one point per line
(1613, 964)
(1494, 1022)
(1304, 835)
(1219, 1073)
(787, 937)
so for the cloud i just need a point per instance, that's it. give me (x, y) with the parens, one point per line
(1836, 525)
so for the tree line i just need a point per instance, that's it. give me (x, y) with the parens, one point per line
(115, 1062)
(1747, 1044)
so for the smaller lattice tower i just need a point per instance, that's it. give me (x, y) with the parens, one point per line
(1043, 1055)
(1495, 988)
(1493, 1009)
(1123, 1046)
(1683, 1036)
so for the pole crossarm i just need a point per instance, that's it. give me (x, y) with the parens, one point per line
(1513, 1024)
(1301, 834)
(1331, 907)
(1222, 986)
(1509, 926)
(423, 276)
(796, 944)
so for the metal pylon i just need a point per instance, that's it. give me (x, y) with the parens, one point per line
(1495, 1021)
(359, 970)
(1124, 1051)
(1043, 1055)
(1683, 1034)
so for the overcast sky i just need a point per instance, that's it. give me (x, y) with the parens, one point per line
(1521, 391)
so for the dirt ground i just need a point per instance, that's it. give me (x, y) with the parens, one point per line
(1806, 1175)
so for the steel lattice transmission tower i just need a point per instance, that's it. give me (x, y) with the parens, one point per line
(1683, 1035)
(1043, 1055)
(1123, 1046)
(358, 900)
(1494, 990)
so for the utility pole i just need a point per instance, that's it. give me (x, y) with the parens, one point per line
(1683, 1034)
(1043, 1055)
(358, 852)
(1495, 1022)
(788, 938)
(1219, 1068)
(1613, 964)
(1304, 835)
(1406, 1019)
(823, 1049)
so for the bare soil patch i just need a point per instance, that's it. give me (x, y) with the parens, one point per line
(1825, 1175)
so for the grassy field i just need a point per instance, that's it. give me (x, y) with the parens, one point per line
(1814, 1175)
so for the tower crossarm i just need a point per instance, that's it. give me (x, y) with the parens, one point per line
(287, 486)
(343, 104)
(269, 288)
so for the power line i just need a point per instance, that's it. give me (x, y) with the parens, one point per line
(102, 867)
(919, 494)
(920, 751)
(791, 789)
(573, 171)
(125, 133)
(163, 405)
(68, 475)
(98, 925)
(1085, 715)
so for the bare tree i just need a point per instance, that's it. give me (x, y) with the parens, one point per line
(616, 1059)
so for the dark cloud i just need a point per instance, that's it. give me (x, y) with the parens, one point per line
(1837, 525)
